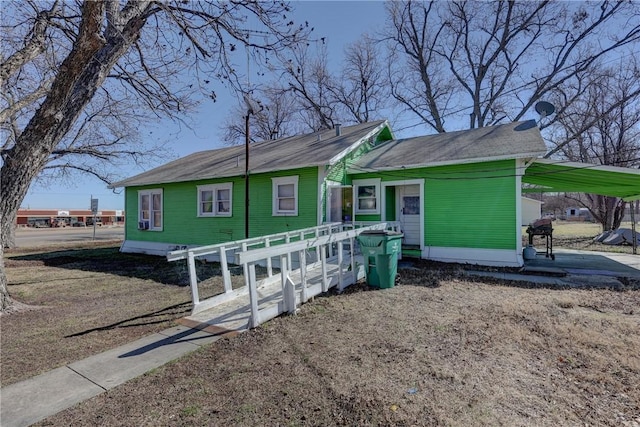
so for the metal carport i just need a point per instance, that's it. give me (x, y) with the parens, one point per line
(555, 176)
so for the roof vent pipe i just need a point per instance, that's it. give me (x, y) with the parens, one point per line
(319, 137)
(338, 130)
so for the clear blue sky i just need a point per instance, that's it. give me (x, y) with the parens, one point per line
(341, 22)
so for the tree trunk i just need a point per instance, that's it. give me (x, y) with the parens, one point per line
(608, 211)
(9, 231)
(618, 214)
(5, 300)
(84, 70)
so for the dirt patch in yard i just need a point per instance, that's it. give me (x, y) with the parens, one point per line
(446, 352)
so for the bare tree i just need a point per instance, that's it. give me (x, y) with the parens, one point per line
(276, 118)
(310, 97)
(66, 67)
(361, 91)
(614, 137)
(309, 79)
(485, 62)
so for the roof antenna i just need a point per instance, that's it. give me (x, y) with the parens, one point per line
(545, 109)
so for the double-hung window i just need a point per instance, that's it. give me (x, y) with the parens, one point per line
(215, 200)
(285, 196)
(367, 196)
(150, 209)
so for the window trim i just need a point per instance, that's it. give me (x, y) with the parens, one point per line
(357, 183)
(214, 188)
(151, 192)
(275, 183)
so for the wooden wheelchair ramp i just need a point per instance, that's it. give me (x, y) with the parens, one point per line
(234, 315)
(310, 261)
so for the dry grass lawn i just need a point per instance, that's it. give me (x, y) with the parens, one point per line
(436, 350)
(579, 235)
(458, 354)
(82, 301)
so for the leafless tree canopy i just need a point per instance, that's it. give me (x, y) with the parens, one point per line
(78, 77)
(485, 62)
(309, 95)
(275, 118)
(609, 99)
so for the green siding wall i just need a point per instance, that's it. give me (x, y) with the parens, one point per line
(466, 206)
(473, 207)
(262, 221)
(182, 225)
(338, 171)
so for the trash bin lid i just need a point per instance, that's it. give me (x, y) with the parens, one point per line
(374, 232)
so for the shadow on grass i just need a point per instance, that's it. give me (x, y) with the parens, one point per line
(110, 260)
(153, 318)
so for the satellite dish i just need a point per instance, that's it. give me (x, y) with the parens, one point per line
(545, 108)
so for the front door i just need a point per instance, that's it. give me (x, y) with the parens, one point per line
(409, 204)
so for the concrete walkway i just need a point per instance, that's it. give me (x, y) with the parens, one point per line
(590, 262)
(32, 400)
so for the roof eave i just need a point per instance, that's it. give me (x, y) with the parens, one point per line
(452, 162)
(222, 176)
(335, 159)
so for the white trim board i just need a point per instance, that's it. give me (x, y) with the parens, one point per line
(489, 257)
(149, 248)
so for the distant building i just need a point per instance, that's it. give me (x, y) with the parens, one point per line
(531, 210)
(578, 214)
(67, 218)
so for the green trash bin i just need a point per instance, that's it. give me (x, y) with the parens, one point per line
(380, 250)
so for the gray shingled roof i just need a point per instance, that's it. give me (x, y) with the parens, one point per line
(314, 149)
(508, 141)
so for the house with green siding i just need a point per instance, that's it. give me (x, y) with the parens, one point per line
(457, 195)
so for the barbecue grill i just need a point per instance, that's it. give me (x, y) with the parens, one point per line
(542, 228)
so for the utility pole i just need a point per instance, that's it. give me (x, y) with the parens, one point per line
(253, 107)
(246, 175)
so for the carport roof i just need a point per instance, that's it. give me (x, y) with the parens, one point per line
(547, 175)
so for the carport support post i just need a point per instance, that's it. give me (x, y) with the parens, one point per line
(634, 235)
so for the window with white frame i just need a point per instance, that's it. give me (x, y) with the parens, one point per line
(215, 199)
(285, 196)
(367, 193)
(150, 209)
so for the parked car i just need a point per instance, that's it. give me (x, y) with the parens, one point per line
(98, 222)
(79, 224)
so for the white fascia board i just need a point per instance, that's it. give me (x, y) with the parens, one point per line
(450, 162)
(335, 159)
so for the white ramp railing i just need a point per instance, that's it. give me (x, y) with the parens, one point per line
(226, 254)
(328, 271)
(310, 250)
